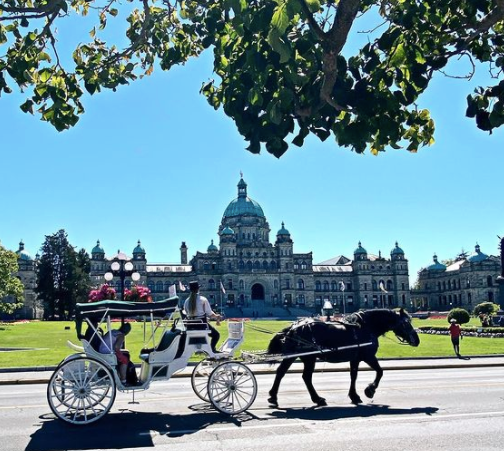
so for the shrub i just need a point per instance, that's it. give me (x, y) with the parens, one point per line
(459, 314)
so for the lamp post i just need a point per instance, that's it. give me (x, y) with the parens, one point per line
(122, 268)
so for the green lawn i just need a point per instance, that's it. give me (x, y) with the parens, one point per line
(50, 340)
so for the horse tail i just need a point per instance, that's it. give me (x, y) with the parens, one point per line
(277, 343)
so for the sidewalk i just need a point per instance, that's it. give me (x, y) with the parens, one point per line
(13, 376)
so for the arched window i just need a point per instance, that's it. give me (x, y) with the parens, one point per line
(301, 299)
(127, 284)
(242, 285)
(211, 284)
(257, 265)
(390, 285)
(241, 264)
(150, 286)
(334, 286)
(439, 286)
(159, 287)
(375, 285)
(249, 265)
(265, 264)
(300, 284)
(318, 286)
(273, 265)
(449, 284)
(489, 281)
(326, 285)
(167, 286)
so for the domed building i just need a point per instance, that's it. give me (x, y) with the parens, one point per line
(249, 273)
(464, 282)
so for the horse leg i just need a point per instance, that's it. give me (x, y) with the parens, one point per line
(371, 388)
(309, 368)
(280, 373)
(352, 393)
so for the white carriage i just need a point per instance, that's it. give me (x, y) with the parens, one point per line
(83, 387)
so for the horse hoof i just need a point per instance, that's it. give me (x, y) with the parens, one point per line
(370, 392)
(321, 402)
(273, 402)
(356, 400)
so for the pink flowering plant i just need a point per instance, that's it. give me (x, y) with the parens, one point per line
(105, 292)
(138, 293)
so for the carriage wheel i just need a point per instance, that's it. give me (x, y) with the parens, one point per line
(199, 378)
(81, 391)
(232, 388)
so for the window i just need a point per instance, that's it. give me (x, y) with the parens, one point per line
(489, 281)
(159, 287)
(389, 285)
(167, 286)
(242, 285)
(375, 285)
(273, 265)
(301, 299)
(265, 264)
(257, 265)
(211, 284)
(275, 284)
(301, 285)
(349, 286)
(318, 286)
(365, 286)
(287, 284)
(241, 265)
(334, 286)
(303, 265)
(403, 286)
(403, 299)
(230, 284)
(326, 285)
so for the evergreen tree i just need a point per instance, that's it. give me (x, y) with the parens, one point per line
(11, 288)
(62, 276)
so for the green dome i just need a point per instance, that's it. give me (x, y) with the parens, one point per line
(22, 254)
(436, 266)
(360, 250)
(283, 231)
(97, 249)
(227, 231)
(138, 249)
(478, 256)
(243, 205)
(396, 250)
(212, 248)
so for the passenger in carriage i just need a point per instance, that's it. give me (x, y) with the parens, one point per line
(198, 307)
(94, 334)
(117, 336)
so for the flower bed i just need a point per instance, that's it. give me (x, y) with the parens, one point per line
(487, 332)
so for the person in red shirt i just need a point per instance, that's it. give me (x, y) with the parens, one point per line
(456, 336)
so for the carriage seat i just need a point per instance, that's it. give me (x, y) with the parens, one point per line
(165, 342)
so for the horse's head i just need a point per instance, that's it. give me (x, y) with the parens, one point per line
(404, 330)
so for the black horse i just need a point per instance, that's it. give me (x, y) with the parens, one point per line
(353, 341)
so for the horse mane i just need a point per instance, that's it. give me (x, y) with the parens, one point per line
(380, 321)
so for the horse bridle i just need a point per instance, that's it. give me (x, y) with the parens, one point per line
(402, 322)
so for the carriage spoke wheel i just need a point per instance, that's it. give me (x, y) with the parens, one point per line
(199, 378)
(81, 391)
(232, 388)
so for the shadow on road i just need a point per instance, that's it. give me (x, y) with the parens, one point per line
(334, 413)
(130, 429)
(126, 429)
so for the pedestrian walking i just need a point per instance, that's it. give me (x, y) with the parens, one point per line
(456, 336)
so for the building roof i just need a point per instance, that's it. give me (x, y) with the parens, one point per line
(339, 260)
(283, 230)
(97, 249)
(138, 249)
(397, 250)
(243, 205)
(22, 254)
(360, 250)
(478, 256)
(332, 268)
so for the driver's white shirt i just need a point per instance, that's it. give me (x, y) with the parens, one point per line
(203, 308)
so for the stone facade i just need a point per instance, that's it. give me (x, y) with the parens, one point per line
(466, 282)
(250, 273)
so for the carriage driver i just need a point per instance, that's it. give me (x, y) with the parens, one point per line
(198, 307)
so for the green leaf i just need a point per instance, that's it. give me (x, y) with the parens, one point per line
(45, 75)
(278, 45)
(313, 5)
(280, 20)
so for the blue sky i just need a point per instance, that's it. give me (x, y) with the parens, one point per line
(155, 162)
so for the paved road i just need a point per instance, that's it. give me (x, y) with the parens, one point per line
(435, 409)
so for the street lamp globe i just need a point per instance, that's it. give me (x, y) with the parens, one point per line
(115, 266)
(108, 276)
(128, 266)
(135, 276)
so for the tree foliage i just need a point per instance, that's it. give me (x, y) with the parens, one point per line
(62, 276)
(486, 308)
(282, 67)
(11, 288)
(459, 314)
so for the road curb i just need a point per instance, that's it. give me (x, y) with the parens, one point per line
(272, 369)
